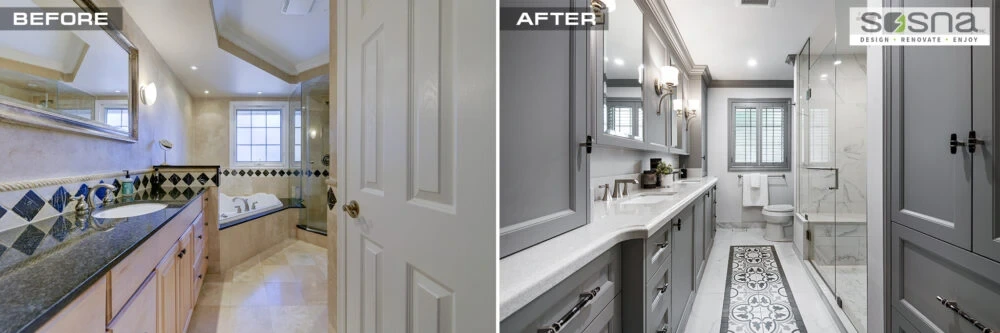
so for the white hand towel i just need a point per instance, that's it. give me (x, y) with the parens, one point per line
(755, 197)
(755, 180)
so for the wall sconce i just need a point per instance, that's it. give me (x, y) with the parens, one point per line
(664, 85)
(147, 93)
(687, 112)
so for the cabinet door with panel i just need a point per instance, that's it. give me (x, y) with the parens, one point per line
(682, 266)
(543, 122)
(168, 277)
(185, 282)
(698, 228)
(985, 162)
(930, 182)
(135, 316)
(709, 226)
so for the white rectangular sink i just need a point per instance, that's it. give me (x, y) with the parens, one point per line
(646, 200)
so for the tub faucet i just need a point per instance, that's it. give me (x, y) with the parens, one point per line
(246, 204)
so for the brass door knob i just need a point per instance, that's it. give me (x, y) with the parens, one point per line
(352, 209)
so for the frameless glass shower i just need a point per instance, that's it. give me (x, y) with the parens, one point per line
(831, 93)
(310, 105)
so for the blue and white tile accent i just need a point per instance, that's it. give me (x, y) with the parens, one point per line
(22, 207)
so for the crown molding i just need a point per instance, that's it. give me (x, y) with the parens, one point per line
(668, 28)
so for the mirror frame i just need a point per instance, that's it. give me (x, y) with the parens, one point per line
(39, 118)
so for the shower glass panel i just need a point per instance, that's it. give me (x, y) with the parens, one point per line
(831, 95)
(312, 142)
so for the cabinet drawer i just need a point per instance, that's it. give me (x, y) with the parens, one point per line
(198, 235)
(924, 268)
(657, 249)
(138, 314)
(600, 276)
(608, 321)
(658, 296)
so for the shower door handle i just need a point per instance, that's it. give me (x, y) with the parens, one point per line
(836, 176)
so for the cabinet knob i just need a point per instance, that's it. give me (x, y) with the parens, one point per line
(183, 252)
(199, 236)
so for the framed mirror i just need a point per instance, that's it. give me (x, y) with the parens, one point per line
(622, 114)
(81, 81)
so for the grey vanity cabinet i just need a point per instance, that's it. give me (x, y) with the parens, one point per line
(543, 122)
(599, 279)
(927, 272)
(698, 228)
(682, 267)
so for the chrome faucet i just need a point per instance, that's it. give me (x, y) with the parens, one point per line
(624, 183)
(246, 204)
(108, 198)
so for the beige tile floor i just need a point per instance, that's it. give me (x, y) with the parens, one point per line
(280, 290)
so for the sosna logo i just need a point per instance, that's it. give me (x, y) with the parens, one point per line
(920, 26)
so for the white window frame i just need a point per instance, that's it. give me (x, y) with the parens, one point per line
(758, 165)
(101, 110)
(259, 105)
(291, 138)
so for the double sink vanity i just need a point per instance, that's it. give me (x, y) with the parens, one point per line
(130, 267)
(633, 268)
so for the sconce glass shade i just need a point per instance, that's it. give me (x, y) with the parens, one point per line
(677, 105)
(694, 104)
(668, 75)
(640, 69)
(148, 94)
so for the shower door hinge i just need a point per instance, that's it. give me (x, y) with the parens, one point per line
(809, 235)
(840, 302)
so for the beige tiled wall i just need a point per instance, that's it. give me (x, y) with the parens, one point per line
(241, 242)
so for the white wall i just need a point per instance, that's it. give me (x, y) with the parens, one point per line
(730, 209)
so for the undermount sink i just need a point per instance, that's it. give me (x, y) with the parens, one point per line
(129, 211)
(646, 200)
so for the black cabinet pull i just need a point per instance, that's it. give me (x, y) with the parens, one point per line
(954, 307)
(973, 141)
(664, 288)
(953, 143)
(199, 236)
(678, 224)
(662, 245)
(183, 252)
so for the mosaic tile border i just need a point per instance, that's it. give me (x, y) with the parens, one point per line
(275, 172)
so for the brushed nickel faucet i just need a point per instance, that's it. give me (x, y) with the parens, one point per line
(108, 198)
(624, 185)
(246, 204)
(606, 188)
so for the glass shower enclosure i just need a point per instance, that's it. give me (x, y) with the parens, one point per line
(831, 95)
(310, 105)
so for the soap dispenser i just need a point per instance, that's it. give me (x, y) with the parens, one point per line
(127, 185)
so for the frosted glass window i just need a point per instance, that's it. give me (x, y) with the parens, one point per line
(297, 128)
(258, 135)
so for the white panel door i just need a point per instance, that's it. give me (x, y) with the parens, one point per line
(419, 160)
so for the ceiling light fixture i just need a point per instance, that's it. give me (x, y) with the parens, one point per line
(206, 92)
(837, 62)
(619, 62)
(752, 62)
(194, 68)
(260, 92)
(823, 76)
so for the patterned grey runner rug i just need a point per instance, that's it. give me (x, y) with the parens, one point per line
(758, 298)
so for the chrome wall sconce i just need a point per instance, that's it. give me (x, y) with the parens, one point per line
(665, 84)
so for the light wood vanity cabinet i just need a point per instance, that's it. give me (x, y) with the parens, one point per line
(153, 290)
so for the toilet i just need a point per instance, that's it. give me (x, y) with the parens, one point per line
(779, 222)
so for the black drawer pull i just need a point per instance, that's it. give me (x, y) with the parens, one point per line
(199, 236)
(662, 245)
(954, 307)
(585, 299)
(664, 288)
(664, 329)
(183, 252)
(678, 224)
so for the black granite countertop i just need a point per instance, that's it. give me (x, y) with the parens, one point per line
(71, 257)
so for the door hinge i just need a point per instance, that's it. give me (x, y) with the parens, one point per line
(809, 235)
(840, 302)
(589, 144)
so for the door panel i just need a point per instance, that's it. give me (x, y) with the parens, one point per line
(681, 266)
(418, 75)
(931, 187)
(985, 167)
(543, 112)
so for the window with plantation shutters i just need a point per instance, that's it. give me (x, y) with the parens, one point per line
(759, 135)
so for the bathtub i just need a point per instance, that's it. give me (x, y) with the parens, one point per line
(259, 203)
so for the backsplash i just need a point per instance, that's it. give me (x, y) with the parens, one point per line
(32, 201)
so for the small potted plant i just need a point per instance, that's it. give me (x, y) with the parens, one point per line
(664, 170)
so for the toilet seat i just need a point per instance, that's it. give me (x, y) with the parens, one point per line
(779, 208)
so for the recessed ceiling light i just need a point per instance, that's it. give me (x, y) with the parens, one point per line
(837, 62)
(206, 92)
(823, 76)
(752, 62)
(619, 62)
(117, 91)
(260, 92)
(194, 68)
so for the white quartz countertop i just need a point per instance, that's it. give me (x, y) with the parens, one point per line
(528, 274)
